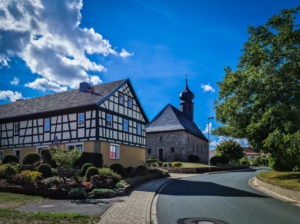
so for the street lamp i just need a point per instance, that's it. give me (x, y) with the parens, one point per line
(209, 118)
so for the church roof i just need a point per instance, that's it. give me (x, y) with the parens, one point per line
(172, 119)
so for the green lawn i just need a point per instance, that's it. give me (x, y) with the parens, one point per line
(290, 180)
(9, 201)
(192, 165)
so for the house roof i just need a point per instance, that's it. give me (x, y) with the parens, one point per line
(172, 119)
(61, 101)
(248, 151)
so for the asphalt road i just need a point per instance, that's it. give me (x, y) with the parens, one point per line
(226, 197)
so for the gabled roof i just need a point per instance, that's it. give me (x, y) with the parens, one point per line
(61, 101)
(172, 119)
(248, 151)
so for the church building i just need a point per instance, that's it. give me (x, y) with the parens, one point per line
(173, 135)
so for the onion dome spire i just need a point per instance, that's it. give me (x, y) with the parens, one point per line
(186, 95)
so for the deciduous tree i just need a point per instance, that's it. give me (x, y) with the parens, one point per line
(260, 101)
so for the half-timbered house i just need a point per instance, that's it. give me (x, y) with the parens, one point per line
(106, 118)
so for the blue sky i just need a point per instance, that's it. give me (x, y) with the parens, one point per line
(51, 46)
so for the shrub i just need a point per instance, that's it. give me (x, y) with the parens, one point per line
(31, 158)
(244, 161)
(141, 170)
(50, 181)
(224, 159)
(152, 160)
(90, 172)
(120, 185)
(193, 158)
(27, 176)
(85, 167)
(110, 173)
(176, 164)
(10, 158)
(45, 169)
(128, 170)
(47, 158)
(169, 164)
(165, 165)
(8, 170)
(260, 161)
(154, 164)
(77, 193)
(160, 163)
(103, 191)
(89, 157)
(117, 168)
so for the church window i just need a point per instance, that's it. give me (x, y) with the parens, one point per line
(149, 151)
(172, 149)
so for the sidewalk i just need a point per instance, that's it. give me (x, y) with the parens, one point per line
(135, 208)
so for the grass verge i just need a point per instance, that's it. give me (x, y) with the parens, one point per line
(13, 216)
(9, 201)
(289, 180)
(192, 165)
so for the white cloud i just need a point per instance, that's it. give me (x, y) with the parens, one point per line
(206, 128)
(15, 81)
(47, 36)
(95, 80)
(207, 88)
(125, 54)
(44, 85)
(220, 139)
(12, 96)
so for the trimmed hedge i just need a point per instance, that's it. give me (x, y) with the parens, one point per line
(45, 169)
(193, 158)
(10, 158)
(47, 158)
(90, 172)
(118, 168)
(90, 157)
(141, 170)
(31, 158)
(85, 167)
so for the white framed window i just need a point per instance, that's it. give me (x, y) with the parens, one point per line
(125, 125)
(47, 124)
(109, 120)
(16, 128)
(129, 102)
(17, 153)
(72, 146)
(139, 129)
(1, 154)
(40, 147)
(81, 119)
(121, 98)
(114, 151)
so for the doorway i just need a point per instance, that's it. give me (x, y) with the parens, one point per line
(161, 154)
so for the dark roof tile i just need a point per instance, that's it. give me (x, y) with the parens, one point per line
(172, 119)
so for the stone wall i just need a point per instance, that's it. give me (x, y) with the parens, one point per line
(184, 144)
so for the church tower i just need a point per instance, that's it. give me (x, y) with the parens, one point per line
(187, 105)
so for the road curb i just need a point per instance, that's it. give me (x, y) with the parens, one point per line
(271, 190)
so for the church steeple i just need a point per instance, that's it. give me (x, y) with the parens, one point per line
(187, 105)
